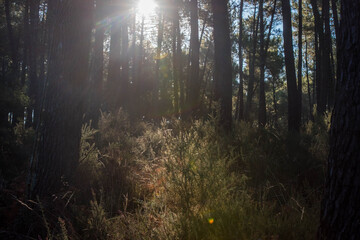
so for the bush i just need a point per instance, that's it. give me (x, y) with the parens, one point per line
(177, 181)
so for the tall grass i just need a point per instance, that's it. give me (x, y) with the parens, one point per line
(191, 182)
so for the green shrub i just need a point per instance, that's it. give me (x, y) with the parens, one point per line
(177, 181)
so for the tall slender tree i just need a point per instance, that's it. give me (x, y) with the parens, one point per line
(223, 67)
(175, 58)
(293, 103)
(194, 83)
(262, 102)
(252, 61)
(160, 37)
(113, 78)
(96, 97)
(300, 57)
(319, 50)
(328, 78)
(33, 58)
(124, 78)
(239, 111)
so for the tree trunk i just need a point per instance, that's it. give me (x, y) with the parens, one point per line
(42, 52)
(336, 23)
(340, 207)
(328, 80)
(311, 117)
(300, 58)
(319, 50)
(194, 83)
(124, 78)
(160, 37)
(139, 83)
(26, 40)
(252, 60)
(239, 111)
(18, 111)
(175, 59)
(97, 83)
(25, 57)
(180, 67)
(113, 79)
(262, 102)
(56, 153)
(34, 53)
(133, 54)
(293, 106)
(223, 67)
(13, 42)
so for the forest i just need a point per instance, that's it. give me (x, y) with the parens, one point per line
(180, 119)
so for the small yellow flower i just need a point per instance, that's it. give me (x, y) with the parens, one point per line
(211, 220)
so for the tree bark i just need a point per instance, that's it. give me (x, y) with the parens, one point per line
(328, 79)
(57, 147)
(252, 60)
(239, 111)
(160, 37)
(311, 117)
(319, 50)
(293, 106)
(340, 207)
(300, 58)
(113, 79)
(124, 78)
(34, 53)
(223, 67)
(262, 102)
(194, 83)
(98, 75)
(175, 58)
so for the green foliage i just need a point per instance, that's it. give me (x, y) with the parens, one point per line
(177, 181)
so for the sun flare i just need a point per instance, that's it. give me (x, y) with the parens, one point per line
(146, 7)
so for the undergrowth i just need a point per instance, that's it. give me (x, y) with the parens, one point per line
(140, 180)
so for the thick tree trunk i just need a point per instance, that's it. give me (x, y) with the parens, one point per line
(223, 67)
(340, 208)
(293, 106)
(57, 150)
